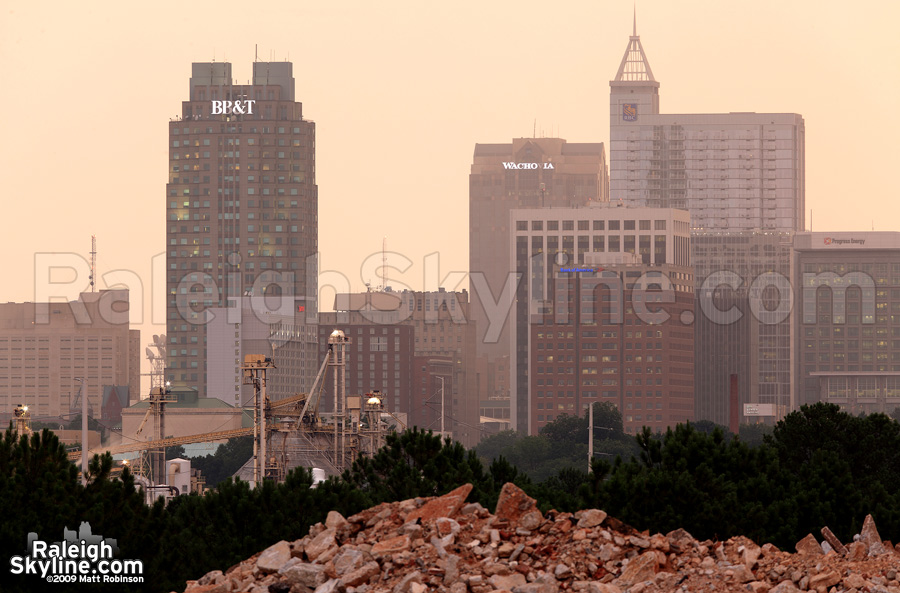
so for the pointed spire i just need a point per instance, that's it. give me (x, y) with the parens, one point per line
(634, 66)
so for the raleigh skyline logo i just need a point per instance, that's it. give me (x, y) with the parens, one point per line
(241, 107)
(851, 241)
(81, 558)
(527, 165)
(629, 111)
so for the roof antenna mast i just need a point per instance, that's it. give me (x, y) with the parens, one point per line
(93, 261)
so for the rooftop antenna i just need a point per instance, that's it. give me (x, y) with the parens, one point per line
(534, 129)
(384, 274)
(255, 53)
(634, 33)
(93, 261)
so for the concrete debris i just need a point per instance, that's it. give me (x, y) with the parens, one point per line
(443, 545)
(869, 536)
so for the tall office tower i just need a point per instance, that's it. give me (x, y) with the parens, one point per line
(242, 205)
(50, 351)
(742, 178)
(591, 323)
(848, 319)
(526, 173)
(732, 171)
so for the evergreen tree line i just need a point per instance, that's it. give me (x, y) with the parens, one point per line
(818, 467)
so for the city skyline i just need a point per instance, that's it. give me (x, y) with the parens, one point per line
(397, 128)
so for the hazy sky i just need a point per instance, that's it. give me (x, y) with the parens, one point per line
(400, 93)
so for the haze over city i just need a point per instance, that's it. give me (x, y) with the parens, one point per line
(401, 93)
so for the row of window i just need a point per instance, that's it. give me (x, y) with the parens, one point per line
(597, 225)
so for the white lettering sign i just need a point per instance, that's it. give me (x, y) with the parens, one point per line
(239, 107)
(527, 165)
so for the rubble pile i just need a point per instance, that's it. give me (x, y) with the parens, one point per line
(444, 545)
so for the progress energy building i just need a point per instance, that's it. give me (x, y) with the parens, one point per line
(848, 319)
(742, 178)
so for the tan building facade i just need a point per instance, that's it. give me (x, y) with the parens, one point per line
(525, 173)
(48, 349)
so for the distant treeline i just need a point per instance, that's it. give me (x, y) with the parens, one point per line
(819, 466)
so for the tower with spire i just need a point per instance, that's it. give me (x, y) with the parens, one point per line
(634, 92)
(741, 176)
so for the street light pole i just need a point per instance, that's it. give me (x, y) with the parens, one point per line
(590, 435)
(441, 379)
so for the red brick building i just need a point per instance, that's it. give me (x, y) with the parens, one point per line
(613, 335)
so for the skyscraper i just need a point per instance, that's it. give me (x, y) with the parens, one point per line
(242, 206)
(742, 178)
(527, 173)
(732, 171)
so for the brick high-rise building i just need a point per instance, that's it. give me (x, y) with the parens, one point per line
(241, 204)
(571, 257)
(614, 336)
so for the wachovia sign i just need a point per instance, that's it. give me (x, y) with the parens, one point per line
(527, 165)
(239, 107)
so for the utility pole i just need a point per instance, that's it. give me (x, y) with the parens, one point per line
(441, 379)
(590, 435)
(84, 432)
(254, 371)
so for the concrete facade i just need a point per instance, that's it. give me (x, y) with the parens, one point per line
(742, 177)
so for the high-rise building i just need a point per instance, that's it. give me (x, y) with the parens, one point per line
(732, 171)
(242, 205)
(847, 319)
(742, 178)
(592, 322)
(49, 352)
(526, 173)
